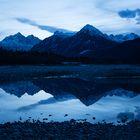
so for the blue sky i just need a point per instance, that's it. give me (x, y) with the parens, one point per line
(43, 17)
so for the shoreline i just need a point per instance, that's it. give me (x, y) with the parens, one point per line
(69, 130)
(25, 72)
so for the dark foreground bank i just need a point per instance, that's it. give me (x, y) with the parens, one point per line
(71, 130)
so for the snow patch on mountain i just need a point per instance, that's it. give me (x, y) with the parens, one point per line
(124, 37)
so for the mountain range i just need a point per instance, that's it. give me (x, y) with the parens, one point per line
(89, 36)
(88, 44)
(124, 37)
(91, 43)
(87, 40)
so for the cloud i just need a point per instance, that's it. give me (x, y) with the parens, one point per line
(127, 14)
(50, 29)
(130, 14)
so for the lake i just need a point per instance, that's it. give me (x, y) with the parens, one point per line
(93, 93)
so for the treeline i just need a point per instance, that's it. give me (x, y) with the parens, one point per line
(10, 57)
(119, 55)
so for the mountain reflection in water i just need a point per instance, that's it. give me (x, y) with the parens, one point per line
(52, 98)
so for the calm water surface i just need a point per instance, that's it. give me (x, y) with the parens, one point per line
(66, 97)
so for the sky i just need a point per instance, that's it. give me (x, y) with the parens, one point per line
(43, 17)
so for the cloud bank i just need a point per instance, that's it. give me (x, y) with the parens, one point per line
(51, 15)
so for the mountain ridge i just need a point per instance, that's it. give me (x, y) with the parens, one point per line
(89, 45)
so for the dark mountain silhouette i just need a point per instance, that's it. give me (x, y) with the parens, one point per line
(126, 52)
(88, 39)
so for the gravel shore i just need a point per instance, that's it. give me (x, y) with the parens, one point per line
(70, 130)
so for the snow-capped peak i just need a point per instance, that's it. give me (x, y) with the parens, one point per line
(91, 30)
(124, 37)
(19, 42)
